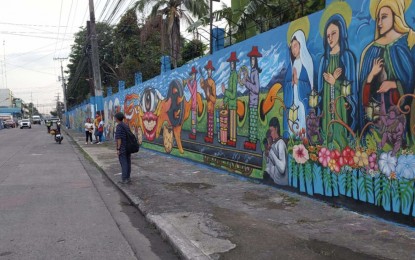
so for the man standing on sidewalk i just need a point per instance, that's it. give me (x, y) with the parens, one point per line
(121, 140)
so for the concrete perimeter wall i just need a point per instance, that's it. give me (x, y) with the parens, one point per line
(323, 106)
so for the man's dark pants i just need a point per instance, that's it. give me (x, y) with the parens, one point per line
(125, 161)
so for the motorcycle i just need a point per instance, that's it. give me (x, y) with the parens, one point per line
(57, 133)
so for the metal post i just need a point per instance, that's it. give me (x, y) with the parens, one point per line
(62, 79)
(211, 22)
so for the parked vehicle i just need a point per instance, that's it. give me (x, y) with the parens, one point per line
(25, 123)
(9, 123)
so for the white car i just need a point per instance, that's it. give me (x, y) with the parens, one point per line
(25, 123)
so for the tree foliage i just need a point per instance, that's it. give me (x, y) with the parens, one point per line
(246, 18)
(193, 49)
(174, 11)
(131, 47)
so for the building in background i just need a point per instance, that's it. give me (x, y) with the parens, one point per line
(6, 98)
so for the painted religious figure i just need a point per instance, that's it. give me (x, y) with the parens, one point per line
(229, 99)
(209, 87)
(252, 83)
(387, 65)
(298, 85)
(192, 85)
(337, 76)
(275, 154)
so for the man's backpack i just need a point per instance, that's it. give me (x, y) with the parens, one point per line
(132, 145)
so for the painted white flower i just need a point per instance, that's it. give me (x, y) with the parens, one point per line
(387, 163)
(406, 166)
(300, 154)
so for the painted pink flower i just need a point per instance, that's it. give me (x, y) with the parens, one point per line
(324, 156)
(373, 164)
(300, 154)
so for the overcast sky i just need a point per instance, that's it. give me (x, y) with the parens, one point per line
(33, 33)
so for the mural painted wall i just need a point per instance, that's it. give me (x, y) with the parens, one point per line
(324, 105)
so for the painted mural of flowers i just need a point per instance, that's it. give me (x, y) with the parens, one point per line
(314, 157)
(387, 163)
(406, 166)
(335, 162)
(361, 159)
(300, 154)
(324, 156)
(373, 165)
(373, 173)
(347, 156)
(334, 165)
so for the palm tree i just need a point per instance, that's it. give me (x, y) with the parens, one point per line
(174, 11)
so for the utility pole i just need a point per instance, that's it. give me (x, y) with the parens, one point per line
(62, 79)
(95, 58)
(58, 112)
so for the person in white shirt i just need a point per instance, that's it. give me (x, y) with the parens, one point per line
(89, 128)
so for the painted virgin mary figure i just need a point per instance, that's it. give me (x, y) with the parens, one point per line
(387, 66)
(298, 85)
(337, 76)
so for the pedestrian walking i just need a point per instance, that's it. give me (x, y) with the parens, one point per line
(89, 128)
(121, 140)
(48, 125)
(100, 130)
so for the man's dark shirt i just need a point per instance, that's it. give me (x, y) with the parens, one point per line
(120, 133)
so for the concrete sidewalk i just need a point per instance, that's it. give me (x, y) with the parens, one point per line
(209, 214)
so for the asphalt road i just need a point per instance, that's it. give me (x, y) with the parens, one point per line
(54, 204)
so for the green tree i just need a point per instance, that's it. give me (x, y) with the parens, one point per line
(193, 49)
(127, 48)
(174, 11)
(80, 83)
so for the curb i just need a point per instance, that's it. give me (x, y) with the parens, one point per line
(183, 246)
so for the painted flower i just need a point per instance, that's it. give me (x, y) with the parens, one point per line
(372, 162)
(373, 173)
(335, 155)
(334, 165)
(300, 154)
(324, 156)
(387, 163)
(406, 166)
(312, 148)
(361, 159)
(347, 156)
(313, 157)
